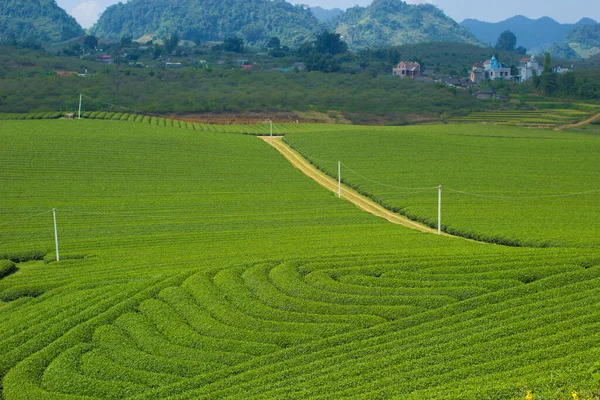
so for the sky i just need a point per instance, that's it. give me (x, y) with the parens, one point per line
(86, 12)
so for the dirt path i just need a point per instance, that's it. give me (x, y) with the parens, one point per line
(347, 193)
(580, 123)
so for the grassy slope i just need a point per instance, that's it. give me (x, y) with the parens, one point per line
(214, 269)
(517, 171)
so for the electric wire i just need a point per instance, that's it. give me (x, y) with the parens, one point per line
(522, 197)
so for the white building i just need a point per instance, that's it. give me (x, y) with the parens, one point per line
(527, 66)
(490, 69)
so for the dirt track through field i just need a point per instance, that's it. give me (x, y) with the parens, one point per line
(347, 193)
(581, 123)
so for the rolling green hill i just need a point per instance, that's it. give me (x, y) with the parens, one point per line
(36, 21)
(585, 40)
(203, 265)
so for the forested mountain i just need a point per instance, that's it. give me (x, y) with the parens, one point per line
(584, 40)
(394, 22)
(209, 20)
(324, 15)
(36, 21)
(531, 33)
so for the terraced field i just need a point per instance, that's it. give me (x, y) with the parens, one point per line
(546, 114)
(202, 265)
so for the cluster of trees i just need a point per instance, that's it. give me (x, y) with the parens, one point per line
(580, 84)
(507, 41)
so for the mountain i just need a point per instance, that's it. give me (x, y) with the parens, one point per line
(394, 22)
(531, 33)
(324, 15)
(36, 21)
(584, 40)
(209, 20)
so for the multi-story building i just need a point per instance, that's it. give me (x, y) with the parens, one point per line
(490, 69)
(526, 66)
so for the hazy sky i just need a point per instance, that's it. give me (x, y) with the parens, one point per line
(87, 11)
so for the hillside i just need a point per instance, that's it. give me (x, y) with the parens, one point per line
(209, 20)
(36, 21)
(531, 33)
(394, 22)
(584, 40)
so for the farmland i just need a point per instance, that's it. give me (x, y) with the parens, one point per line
(501, 184)
(545, 114)
(198, 264)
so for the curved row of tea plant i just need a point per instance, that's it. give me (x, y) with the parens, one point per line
(346, 327)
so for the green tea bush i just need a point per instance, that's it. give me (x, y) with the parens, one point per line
(7, 267)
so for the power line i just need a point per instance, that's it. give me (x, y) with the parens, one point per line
(25, 218)
(390, 186)
(522, 197)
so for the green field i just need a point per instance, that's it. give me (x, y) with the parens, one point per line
(201, 264)
(542, 117)
(501, 184)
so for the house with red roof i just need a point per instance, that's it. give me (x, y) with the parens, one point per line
(407, 69)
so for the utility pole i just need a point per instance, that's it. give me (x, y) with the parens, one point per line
(56, 234)
(80, 96)
(339, 179)
(440, 210)
(271, 130)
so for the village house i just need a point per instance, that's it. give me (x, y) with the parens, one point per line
(105, 58)
(491, 69)
(526, 66)
(407, 69)
(559, 69)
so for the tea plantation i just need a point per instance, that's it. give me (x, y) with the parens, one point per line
(199, 265)
(507, 185)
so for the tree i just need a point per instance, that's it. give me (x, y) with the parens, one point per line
(171, 43)
(90, 42)
(274, 43)
(506, 41)
(234, 44)
(125, 40)
(549, 78)
(330, 43)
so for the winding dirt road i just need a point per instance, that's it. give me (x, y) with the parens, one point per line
(347, 193)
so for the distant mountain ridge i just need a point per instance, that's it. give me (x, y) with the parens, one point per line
(531, 33)
(36, 21)
(325, 15)
(383, 23)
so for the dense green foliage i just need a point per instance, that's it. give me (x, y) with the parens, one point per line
(36, 21)
(393, 22)
(502, 184)
(198, 265)
(214, 20)
(585, 40)
(383, 23)
(361, 96)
